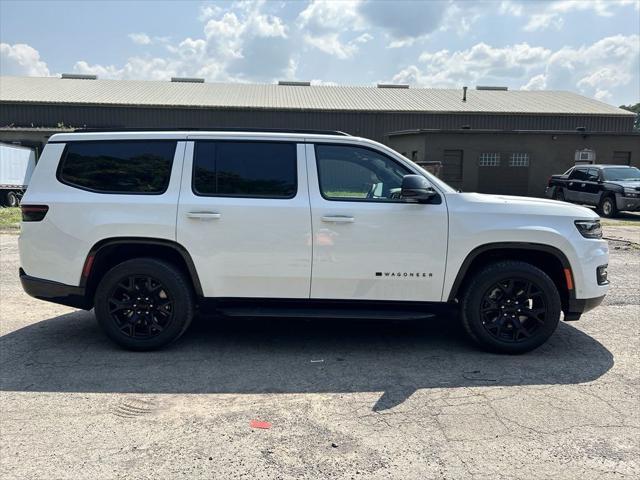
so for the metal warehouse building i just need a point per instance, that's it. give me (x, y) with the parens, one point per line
(486, 139)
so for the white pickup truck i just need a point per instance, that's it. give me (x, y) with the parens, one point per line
(148, 227)
(16, 166)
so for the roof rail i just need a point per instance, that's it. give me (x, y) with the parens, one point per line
(215, 129)
(489, 87)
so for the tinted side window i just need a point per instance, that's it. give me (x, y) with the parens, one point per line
(118, 166)
(245, 169)
(578, 174)
(355, 173)
(592, 175)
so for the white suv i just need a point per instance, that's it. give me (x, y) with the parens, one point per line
(149, 227)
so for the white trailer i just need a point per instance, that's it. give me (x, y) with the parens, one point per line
(16, 166)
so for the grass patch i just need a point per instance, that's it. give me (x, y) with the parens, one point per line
(9, 218)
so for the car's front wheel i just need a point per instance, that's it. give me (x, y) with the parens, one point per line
(608, 207)
(144, 304)
(510, 307)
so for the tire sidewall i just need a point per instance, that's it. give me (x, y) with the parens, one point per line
(488, 277)
(559, 195)
(12, 199)
(612, 210)
(172, 280)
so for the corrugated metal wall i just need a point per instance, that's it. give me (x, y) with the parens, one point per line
(366, 124)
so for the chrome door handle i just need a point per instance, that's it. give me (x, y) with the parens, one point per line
(204, 215)
(338, 219)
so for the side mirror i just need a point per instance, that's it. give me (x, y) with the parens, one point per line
(416, 188)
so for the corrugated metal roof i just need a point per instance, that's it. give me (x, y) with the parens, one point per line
(281, 97)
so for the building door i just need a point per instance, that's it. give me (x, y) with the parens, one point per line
(505, 174)
(452, 168)
(621, 158)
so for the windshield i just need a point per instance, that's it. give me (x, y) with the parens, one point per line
(621, 174)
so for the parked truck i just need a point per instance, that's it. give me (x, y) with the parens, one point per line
(16, 165)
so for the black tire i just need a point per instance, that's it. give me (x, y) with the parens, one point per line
(608, 207)
(558, 194)
(144, 304)
(505, 322)
(13, 200)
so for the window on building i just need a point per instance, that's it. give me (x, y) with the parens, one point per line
(519, 160)
(135, 167)
(358, 174)
(245, 169)
(414, 155)
(489, 160)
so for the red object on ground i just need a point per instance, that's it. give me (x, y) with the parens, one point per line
(260, 424)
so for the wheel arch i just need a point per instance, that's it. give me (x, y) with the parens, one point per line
(109, 252)
(549, 259)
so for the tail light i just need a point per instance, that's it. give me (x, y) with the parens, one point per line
(33, 213)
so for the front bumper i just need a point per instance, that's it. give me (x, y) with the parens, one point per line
(578, 306)
(54, 292)
(628, 204)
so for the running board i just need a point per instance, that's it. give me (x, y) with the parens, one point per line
(343, 313)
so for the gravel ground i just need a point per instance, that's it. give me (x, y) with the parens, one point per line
(345, 399)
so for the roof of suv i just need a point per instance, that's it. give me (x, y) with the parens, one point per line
(177, 134)
(603, 166)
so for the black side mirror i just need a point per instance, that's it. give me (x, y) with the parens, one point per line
(416, 188)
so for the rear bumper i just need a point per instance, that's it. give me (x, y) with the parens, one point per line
(54, 292)
(578, 306)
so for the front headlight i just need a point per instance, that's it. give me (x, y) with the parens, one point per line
(631, 192)
(589, 228)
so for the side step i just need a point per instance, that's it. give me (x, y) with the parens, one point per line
(319, 312)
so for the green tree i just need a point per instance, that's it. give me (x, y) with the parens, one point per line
(635, 109)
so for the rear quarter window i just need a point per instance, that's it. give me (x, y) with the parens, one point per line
(133, 167)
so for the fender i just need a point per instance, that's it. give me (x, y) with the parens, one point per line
(557, 253)
(110, 242)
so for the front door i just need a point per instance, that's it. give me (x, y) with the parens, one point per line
(368, 244)
(244, 217)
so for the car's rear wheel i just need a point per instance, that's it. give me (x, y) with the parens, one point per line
(608, 207)
(510, 307)
(144, 304)
(559, 194)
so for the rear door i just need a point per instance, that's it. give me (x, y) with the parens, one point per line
(369, 244)
(244, 217)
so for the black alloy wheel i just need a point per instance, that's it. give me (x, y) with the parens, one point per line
(510, 307)
(144, 303)
(141, 306)
(513, 309)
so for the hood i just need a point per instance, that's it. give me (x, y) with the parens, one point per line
(521, 205)
(626, 184)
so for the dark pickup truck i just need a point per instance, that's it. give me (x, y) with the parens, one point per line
(610, 188)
